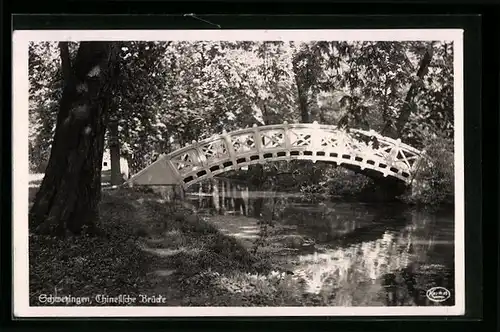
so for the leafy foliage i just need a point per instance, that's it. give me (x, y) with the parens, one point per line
(434, 103)
(171, 93)
(435, 182)
(45, 78)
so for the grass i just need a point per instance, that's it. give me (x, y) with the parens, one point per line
(152, 247)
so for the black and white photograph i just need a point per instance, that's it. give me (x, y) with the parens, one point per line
(238, 173)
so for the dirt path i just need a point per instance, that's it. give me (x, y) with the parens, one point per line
(245, 229)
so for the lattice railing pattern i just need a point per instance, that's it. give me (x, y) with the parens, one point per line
(312, 141)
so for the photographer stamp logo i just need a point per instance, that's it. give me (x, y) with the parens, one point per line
(438, 294)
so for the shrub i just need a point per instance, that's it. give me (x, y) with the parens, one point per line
(435, 180)
(346, 183)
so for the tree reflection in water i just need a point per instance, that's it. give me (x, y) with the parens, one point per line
(392, 258)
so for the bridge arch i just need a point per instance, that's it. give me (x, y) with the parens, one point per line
(367, 151)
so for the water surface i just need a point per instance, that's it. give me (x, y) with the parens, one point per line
(370, 254)
(359, 254)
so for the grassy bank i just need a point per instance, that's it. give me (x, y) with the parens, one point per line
(155, 248)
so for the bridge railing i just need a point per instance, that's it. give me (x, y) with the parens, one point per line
(312, 141)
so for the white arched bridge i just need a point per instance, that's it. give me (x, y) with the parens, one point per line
(364, 151)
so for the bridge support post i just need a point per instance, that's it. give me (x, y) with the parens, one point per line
(229, 146)
(315, 139)
(200, 156)
(258, 140)
(288, 142)
(394, 152)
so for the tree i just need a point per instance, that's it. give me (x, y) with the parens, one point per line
(307, 69)
(405, 112)
(433, 107)
(70, 191)
(137, 103)
(370, 78)
(45, 88)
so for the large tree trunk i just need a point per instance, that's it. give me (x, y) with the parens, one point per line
(70, 191)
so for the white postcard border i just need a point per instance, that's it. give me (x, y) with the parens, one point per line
(21, 38)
